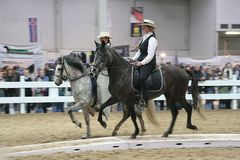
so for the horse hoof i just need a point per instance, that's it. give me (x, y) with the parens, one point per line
(104, 125)
(85, 137)
(165, 135)
(80, 125)
(114, 133)
(143, 132)
(192, 127)
(133, 136)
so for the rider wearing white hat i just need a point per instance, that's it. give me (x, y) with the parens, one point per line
(105, 36)
(145, 58)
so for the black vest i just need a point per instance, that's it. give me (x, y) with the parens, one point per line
(143, 50)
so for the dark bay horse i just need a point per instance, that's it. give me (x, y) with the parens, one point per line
(175, 84)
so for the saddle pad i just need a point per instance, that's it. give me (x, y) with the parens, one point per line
(154, 81)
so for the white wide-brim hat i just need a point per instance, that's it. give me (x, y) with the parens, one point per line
(148, 22)
(104, 34)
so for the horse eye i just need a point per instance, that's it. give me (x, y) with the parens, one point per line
(59, 69)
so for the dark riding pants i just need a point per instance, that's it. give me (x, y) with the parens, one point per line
(94, 90)
(144, 73)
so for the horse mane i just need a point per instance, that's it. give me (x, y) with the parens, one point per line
(75, 62)
(122, 60)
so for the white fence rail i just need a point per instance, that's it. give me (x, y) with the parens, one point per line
(53, 95)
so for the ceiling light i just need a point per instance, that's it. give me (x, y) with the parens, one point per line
(232, 33)
(163, 55)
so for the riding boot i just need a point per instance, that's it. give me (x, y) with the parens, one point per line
(145, 72)
(144, 95)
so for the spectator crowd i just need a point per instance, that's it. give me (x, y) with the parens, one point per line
(208, 73)
(12, 74)
(202, 73)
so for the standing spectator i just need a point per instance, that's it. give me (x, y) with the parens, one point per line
(49, 72)
(10, 76)
(2, 91)
(28, 91)
(41, 107)
(59, 107)
(227, 74)
(224, 104)
(228, 70)
(159, 105)
(209, 89)
(236, 71)
(198, 74)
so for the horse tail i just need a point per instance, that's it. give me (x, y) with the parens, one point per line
(151, 114)
(197, 99)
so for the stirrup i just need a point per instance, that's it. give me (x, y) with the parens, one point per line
(142, 102)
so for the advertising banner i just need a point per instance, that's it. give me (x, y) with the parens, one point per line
(32, 22)
(136, 19)
(23, 56)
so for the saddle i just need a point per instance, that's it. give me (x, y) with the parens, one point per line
(154, 81)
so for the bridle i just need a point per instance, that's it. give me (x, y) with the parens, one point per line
(62, 63)
(60, 76)
(96, 68)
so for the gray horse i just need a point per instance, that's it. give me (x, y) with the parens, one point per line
(71, 68)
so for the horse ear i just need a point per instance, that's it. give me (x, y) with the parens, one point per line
(61, 59)
(96, 43)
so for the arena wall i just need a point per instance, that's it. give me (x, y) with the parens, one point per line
(184, 27)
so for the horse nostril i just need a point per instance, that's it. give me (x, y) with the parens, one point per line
(92, 74)
(93, 70)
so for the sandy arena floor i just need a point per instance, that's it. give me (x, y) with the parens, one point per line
(41, 128)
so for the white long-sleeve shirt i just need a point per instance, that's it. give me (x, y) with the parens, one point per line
(152, 47)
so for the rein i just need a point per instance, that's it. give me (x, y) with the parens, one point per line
(111, 67)
(78, 77)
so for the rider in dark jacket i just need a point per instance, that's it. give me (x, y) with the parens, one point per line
(145, 58)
